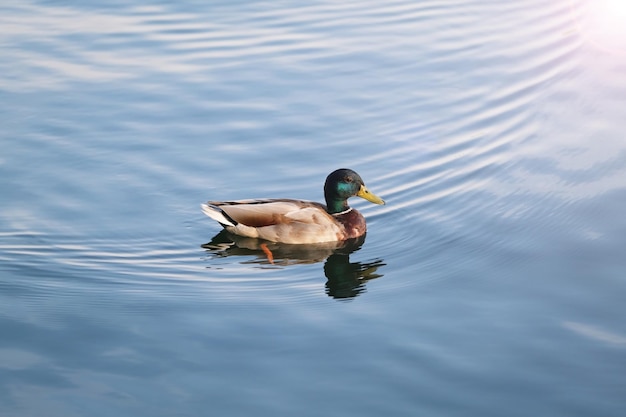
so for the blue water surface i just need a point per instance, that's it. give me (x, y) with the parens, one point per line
(491, 284)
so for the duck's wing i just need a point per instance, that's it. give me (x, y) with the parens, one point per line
(260, 213)
(290, 221)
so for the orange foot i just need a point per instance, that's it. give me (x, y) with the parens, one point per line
(268, 253)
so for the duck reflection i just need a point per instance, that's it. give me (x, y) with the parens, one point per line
(345, 279)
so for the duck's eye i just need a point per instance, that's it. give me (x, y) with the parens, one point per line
(348, 179)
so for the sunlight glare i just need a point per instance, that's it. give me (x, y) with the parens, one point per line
(603, 22)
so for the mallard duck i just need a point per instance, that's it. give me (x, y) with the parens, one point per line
(297, 221)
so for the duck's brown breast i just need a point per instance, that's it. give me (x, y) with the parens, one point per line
(353, 222)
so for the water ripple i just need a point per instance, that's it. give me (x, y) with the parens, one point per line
(450, 121)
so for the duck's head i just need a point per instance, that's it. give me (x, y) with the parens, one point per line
(343, 184)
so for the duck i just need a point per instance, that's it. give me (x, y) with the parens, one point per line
(293, 221)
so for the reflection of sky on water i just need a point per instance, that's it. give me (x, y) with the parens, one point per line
(49, 40)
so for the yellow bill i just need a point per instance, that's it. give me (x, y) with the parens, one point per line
(369, 196)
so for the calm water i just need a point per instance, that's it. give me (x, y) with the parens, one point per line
(491, 284)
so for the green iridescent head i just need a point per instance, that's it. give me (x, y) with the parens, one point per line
(343, 184)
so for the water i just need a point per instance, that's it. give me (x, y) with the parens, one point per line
(492, 282)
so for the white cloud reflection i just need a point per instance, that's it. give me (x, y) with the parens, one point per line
(594, 333)
(44, 47)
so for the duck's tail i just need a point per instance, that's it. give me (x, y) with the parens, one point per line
(218, 215)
